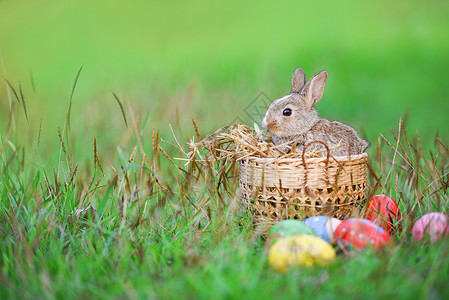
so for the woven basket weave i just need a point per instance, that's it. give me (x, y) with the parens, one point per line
(299, 188)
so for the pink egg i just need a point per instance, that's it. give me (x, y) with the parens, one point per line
(434, 224)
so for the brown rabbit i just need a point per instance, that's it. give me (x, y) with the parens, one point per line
(293, 118)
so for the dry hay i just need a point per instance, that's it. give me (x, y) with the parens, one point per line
(241, 141)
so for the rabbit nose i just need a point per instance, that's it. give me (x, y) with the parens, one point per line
(264, 123)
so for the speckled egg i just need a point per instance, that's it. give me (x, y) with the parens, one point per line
(435, 225)
(385, 212)
(360, 234)
(300, 250)
(288, 228)
(323, 226)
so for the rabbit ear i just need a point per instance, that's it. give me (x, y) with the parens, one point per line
(314, 88)
(298, 80)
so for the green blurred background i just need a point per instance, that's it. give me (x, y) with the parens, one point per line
(209, 60)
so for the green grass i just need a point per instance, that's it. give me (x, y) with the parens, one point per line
(159, 234)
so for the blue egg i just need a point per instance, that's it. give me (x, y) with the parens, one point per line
(318, 225)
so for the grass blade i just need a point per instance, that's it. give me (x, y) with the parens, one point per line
(70, 101)
(13, 90)
(22, 97)
(121, 108)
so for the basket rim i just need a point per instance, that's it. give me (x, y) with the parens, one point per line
(309, 160)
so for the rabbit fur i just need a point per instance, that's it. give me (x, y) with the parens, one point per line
(293, 119)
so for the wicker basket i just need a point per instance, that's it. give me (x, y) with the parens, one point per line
(299, 188)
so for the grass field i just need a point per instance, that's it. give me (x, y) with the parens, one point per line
(158, 235)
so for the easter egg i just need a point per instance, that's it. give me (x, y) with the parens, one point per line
(385, 212)
(323, 226)
(331, 226)
(286, 228)
(435, 225)
(300, 250)
(360, 234)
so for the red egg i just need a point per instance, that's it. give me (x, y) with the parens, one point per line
(360, 234)
(385, 212)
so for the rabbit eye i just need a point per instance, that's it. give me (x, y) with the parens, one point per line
(287, 112)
